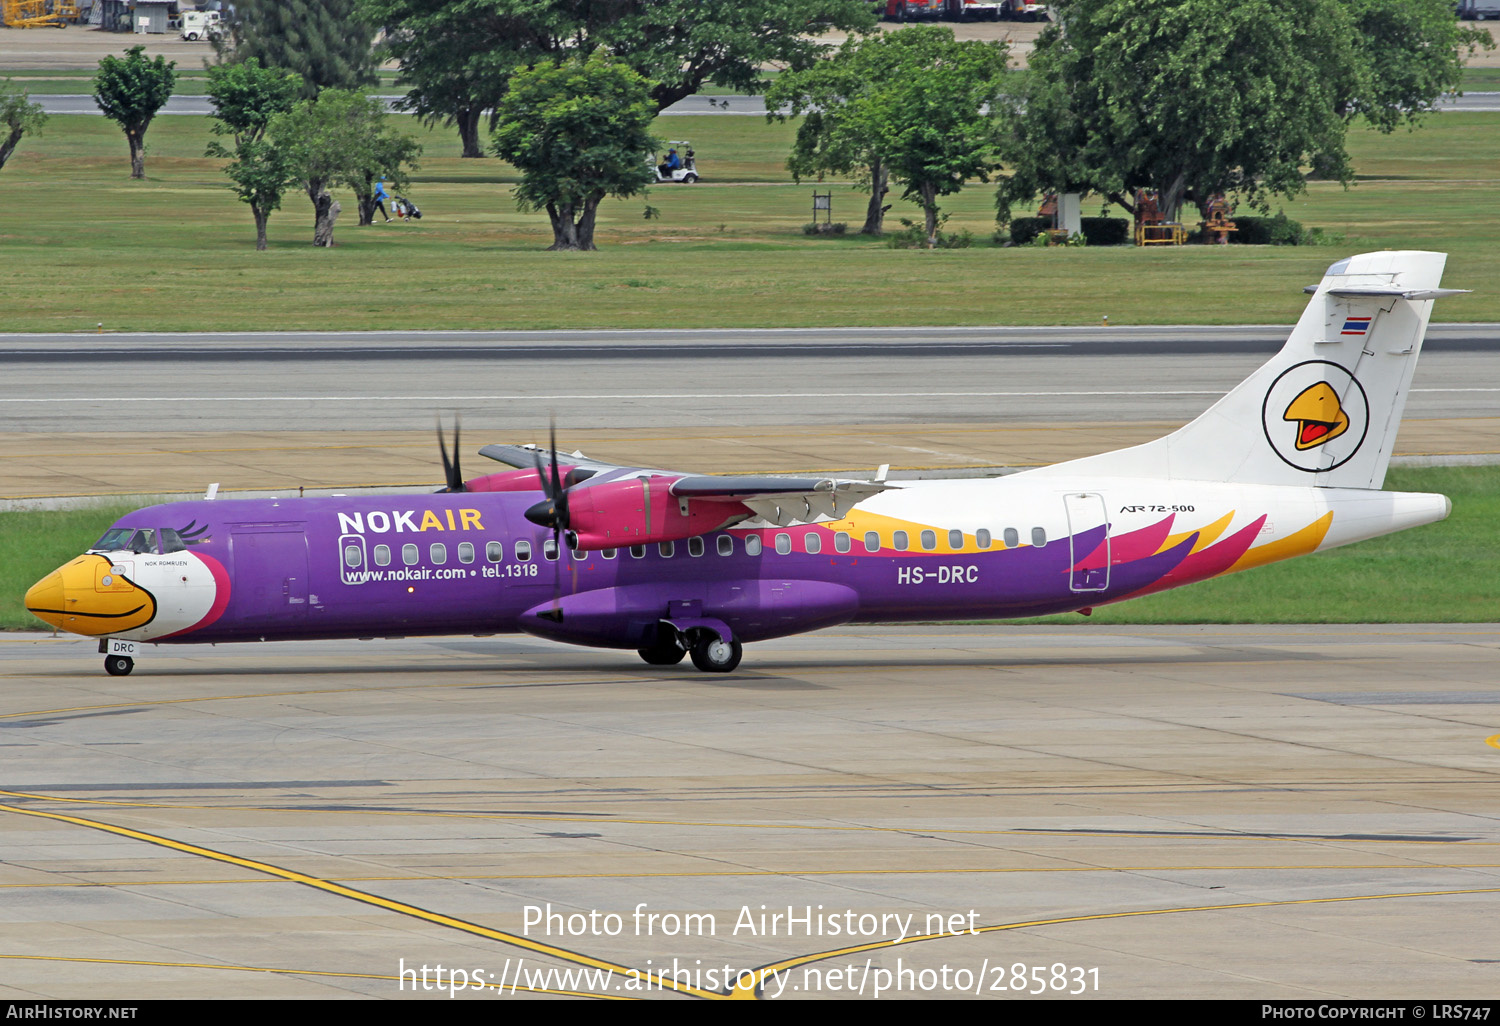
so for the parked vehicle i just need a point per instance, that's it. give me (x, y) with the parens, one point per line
(200, 25)
(967, 10)
(1479, 10)
(912, 10)
(1020, 10)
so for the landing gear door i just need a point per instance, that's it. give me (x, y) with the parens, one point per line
(1088, 541)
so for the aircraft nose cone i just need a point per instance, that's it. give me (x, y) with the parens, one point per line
(46, 600)
(87, 597)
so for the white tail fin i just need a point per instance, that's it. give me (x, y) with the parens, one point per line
(1325, 409)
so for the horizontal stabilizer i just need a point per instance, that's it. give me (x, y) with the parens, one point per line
(1378, 291)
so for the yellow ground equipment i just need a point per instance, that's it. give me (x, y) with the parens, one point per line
(38, 13)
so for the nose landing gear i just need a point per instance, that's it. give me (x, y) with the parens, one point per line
(118, 665)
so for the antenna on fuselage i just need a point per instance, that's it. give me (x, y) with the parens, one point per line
(213, 490)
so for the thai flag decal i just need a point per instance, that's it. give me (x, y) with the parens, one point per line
(1356, 326)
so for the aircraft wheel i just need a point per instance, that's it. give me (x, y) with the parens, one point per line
(714, 655)
(118, 666)
(667, 650)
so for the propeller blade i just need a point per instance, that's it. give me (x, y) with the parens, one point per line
(456, 483)
(559, 521)
(453, 480)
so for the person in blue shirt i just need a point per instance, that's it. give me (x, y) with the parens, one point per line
(673, 162)
(380, 197)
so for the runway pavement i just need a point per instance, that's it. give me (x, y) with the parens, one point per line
(150, 414)
(1210, 812)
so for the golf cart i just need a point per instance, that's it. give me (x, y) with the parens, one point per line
(686, 169)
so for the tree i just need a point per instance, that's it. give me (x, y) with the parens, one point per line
(130, 91)
(455, 59)
(387, 155)
(1411, 54)
(18, 117)
(1194, 97)
(457, 55)
(915, 105)
(246, 97)
(578, 130)
(340, 138)
(325, 42)
(826, 141)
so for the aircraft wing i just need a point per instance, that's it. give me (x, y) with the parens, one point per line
(526, 457)
(606, 497)
(780, 500)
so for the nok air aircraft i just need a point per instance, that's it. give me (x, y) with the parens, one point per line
(672, 565)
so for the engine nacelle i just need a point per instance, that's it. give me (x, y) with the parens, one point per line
(521, 480)
(642, 510)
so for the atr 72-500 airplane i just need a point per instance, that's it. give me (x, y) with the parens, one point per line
(1289, 462)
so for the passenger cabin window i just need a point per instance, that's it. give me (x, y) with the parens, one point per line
(1012, 537)
(898, 541)
(982, 538)
(929, 540)
(494, 551)
(752, 545)
(726, 545)
(841, 541)
(666, 549)
(352, 556)
(523, 551)
(608, 553)
(695, 546)
(783, 543)
(872, 541)
(549, 549)
(409, 554)
(638, 552)
(955, 539)
(812, 542)
(1039, 536)
(382, 555)
(466, 552)
(438, 553)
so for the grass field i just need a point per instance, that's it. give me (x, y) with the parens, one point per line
(1442, 573)
(81, 244)
(192, 80)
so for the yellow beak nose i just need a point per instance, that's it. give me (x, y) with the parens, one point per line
(86, 596)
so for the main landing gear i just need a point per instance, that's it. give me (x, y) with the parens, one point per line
(666, 650)
(711, 653)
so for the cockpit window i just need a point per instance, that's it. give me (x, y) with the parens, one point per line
(114, 539)
(143, 540)
(171, 541)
